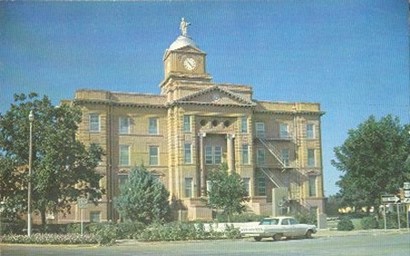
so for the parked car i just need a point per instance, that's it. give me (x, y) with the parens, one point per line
(277, 228)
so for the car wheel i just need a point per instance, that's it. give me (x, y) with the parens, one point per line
(257, 238)
(309, 234)
(277, 237)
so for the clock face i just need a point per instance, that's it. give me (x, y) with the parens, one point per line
(189, 64)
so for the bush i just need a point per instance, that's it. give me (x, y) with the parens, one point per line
(129, 230)
(106, 233)
(185, 231)
(15, 226)
(391, 221)
(49, 239)
(74, 228)
(231, 232)
(201, 234)
(369, 223)
(307, 217)
(345, 224)
(244, 217)
(54, 228)
(170, 232)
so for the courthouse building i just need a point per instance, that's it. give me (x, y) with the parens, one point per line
(191, 127)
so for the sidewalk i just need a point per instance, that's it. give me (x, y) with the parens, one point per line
(333, 233)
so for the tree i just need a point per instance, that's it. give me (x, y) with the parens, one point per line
(63, 167)
(333, 204)
(372, 160)
(226, 191)
(143, 198)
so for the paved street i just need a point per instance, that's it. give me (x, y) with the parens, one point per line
(327, 243)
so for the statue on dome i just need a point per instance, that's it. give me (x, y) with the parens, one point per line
(183, 26)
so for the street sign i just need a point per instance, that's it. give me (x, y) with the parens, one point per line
(390, 199)
(82, 202)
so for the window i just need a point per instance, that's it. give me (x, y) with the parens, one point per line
(153, 155)
(260, 129)
(122, 179)
(283, 131)
(311, 158)
(310, 131)
(246, 185)
(213, 155)
(217, 155)
(95, 216)
(312, 185)
(124, 125)
(260, 156)
(245, 154)
(188, 153)
(188, 187)
(261, 185)
(285, 156)
(293, 222)
(153, 125)
(94, 122)
(244, 124)
(187, 123)
(208, 155)
(124, 155)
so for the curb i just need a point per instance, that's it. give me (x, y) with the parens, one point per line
(335, 233)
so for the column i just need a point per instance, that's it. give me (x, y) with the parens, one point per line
(230, 154)
(202, 164)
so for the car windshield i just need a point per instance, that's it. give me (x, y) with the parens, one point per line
(269, 222)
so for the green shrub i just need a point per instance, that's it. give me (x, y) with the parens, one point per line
(391, 221)
(49, 239)
(231, 232)
(178, 231)
(129, 230)
(106, 233)
(369, 222)
(244, 217)
(307, 217)
(212, 233)
(74, 228)
(345, 224)
(200, 231)
(15, 226)
(54, 228)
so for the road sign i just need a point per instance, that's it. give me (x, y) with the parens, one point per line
(82, 202)
(390, 199)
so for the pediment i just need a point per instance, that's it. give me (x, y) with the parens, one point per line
(215, 96)
(190, 49)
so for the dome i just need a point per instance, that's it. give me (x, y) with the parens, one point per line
(182, 41)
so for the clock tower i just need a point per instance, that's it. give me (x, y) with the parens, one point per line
(184, 61)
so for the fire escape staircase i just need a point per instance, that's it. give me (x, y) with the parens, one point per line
(275, 180)
(276, 154)
(274, 151)
(269, 172)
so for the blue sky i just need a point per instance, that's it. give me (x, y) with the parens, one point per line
(352, 57)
